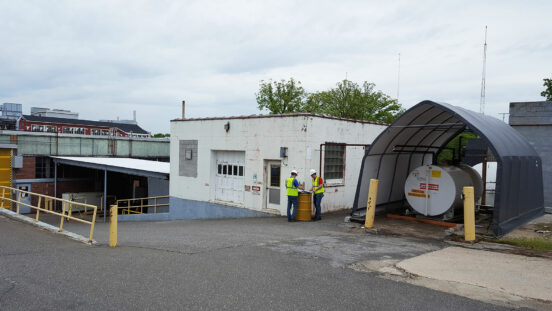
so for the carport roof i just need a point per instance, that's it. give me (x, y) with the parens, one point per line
(131, 166)
(418, 135)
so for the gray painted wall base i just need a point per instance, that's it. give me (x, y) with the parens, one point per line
(191, 209)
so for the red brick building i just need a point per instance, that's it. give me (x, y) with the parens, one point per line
(30, 123)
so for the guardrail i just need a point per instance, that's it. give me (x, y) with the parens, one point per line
(139, 208)
(48, 204)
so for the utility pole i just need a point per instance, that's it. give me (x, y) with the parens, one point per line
(482, 100)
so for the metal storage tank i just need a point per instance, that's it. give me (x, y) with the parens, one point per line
(433, 190)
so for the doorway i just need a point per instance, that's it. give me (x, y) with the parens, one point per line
(273, 182)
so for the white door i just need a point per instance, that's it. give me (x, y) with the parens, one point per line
(230, 184)
(273, 182)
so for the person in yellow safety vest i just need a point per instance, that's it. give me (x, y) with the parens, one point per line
(318, 190)
(292, 193)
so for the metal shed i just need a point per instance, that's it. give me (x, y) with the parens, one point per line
(417, 136)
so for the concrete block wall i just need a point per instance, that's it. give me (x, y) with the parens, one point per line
(531, 113)
(534, 121)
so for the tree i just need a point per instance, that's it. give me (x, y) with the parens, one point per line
(346, 100)
(547, 93)
(280, 96)
(349, 100)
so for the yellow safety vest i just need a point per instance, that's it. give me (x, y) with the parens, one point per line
(315, 184)
(291, 190)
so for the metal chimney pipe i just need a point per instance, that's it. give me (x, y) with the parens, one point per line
(183, 109)
(134, 113)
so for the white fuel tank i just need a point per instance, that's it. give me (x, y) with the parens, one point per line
(432, 190)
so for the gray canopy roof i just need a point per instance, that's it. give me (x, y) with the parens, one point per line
(417, 136)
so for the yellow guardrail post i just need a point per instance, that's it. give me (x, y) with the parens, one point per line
(62, 216)
(38, 210)
(92, 224)
(469, 214)
(113, 227)
(371, 204)
(3, 196)
(18, 201)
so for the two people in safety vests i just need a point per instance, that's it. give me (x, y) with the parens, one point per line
(318, 190)
(292, 192)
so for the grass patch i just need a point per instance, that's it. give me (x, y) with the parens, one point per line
(536, 244)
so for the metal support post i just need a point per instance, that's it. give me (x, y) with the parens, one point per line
(371, 205)
(55, 178)
(105, 194)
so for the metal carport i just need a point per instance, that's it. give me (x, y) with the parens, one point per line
(417, 136)
(130, 166)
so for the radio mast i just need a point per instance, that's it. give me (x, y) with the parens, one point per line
(482, 100)
(399, 78)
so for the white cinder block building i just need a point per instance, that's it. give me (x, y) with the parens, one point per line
(237, 166)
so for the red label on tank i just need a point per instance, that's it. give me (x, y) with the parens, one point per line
(434, 187)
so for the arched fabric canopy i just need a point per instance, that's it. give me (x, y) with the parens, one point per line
(417, 136)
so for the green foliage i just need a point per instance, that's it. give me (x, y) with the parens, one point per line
(547, 93)
(161, 135)
(536, 244)
(349, 100)
(346, 100)
(280, 96)
(452, 151)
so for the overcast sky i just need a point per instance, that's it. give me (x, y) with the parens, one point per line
(104, 59)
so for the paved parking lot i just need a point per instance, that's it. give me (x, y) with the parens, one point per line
(246, 264)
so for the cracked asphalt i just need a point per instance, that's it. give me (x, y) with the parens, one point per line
(245, 264)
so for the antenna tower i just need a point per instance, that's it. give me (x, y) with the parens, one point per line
(482, 100)
(399, 78)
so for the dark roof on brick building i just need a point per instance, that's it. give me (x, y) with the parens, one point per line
(129, 128)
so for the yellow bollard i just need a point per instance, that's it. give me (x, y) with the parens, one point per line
(113, 227)
(469, 214)
(371, 205)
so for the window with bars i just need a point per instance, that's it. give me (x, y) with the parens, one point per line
(334, 162)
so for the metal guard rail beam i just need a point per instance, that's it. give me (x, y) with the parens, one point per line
(141, 205)
(39, 209)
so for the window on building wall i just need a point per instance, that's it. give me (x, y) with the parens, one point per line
(334, 162)
(44, 167)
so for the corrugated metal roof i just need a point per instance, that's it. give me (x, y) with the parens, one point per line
(418, 135)
(123, 165)
(129, 128)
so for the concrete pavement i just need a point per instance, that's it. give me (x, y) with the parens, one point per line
(527, 277)
(246, 264)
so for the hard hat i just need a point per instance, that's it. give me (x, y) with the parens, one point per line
(294, 172)
(312, 171)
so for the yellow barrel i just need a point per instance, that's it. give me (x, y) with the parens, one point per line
(304, 210)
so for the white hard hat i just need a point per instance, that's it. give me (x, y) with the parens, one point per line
(312, 171)
(294, 172)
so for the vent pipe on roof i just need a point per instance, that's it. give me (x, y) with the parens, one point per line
(134, 114)
(183, 109)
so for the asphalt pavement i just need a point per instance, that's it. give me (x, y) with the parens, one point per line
(245, 264)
